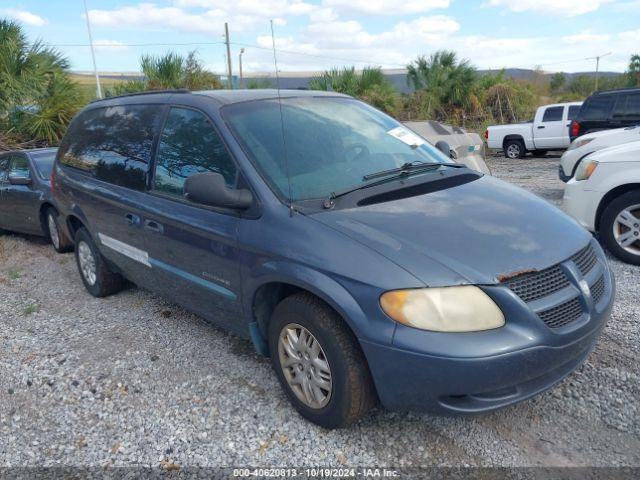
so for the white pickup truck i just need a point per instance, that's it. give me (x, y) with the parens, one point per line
(549, 130)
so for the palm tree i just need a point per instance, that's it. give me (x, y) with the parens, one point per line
(369, 85)
(443, 83)
(170, 71)
(37, 96)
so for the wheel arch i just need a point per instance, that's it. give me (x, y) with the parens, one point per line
(610, 196)
(508, 138)
(46, 205)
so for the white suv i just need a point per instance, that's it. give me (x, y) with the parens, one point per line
(592, 142)
(604, 196)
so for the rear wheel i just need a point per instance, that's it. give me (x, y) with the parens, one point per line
(96, 275)
(620, 227)
(514, 149)
(59, 240)
(319, 363)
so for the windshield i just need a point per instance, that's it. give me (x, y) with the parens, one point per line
(331, 143)
(44, 162)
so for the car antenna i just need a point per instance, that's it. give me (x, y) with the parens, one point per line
(284, 143)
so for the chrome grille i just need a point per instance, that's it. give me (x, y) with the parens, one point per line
(597, 291)
(585, 259)
(562, 314)
(532, 286)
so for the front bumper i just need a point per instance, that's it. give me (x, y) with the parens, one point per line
(581, 204)
(482, 371)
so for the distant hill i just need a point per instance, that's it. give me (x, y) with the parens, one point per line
(296, 80)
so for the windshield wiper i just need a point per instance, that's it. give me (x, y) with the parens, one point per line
(402, 171)
(411, 167)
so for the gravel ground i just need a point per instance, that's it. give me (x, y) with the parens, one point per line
(133, 379)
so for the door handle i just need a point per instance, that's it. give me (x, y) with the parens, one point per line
(153, 226)
(132, 219)
(540, 127)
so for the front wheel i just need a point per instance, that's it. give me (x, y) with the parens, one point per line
(514, 149)
(620, 227)
(319, 363)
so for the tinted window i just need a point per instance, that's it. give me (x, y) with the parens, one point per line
(43, 162)
(114, 143)
(553, 114)
(596, 108)
(4, 168)
(628, 107)
(19, 166)
(573, 112)
(189, 144)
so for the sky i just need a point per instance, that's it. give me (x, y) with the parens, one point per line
(311, 35)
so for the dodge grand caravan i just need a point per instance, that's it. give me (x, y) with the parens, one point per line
(366, 264)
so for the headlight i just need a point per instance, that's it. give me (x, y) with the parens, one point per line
(586, 169)
(449, 309)
(579, 142)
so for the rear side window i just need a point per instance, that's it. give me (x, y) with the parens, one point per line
(20, 166)
(114, 143)
(553, 114)
(596, 108)
(189, 144)
(573, 112)
(628, 107)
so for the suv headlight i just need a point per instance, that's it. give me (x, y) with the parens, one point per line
(585, 169)
(579, 142)
(449, 309)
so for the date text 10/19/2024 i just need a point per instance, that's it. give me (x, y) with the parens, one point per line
(316, 472)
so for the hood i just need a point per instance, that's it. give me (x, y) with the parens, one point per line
(479, 231)
(627, 152)
(603, 134)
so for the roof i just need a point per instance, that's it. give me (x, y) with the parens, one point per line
(618, 90)
(245, 95)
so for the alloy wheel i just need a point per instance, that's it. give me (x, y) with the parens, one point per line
(87, 263)
(305, 365)
(53, 231)
(513, 151)
(626, 229)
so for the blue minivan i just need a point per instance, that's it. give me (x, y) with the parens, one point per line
(365, 263)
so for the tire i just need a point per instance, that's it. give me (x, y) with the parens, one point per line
(59, 240)
(100, 281)
(614, 228)
(514, 149)
(540, 153)
(351, 392)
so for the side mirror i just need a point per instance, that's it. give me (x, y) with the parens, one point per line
(444, 148)
(19, 179)
(209, 188)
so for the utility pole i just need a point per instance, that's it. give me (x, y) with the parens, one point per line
(240, 67)
(226, 40)
(93, 53)
(597, 59)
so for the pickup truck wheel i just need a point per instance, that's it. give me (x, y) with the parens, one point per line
(620, 227)
(514, 149)
(319, 363)
(98, 278)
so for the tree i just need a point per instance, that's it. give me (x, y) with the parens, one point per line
(444, 84)
(634, 71)
(170, 71)
(369, 85)
(558, 81)
(37, 96)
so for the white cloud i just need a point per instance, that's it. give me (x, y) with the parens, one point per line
(386, 7)
(109, 46)
(25, 17)
(586, 38)
(564, 8)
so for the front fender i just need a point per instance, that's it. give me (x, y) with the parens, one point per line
(364, 318)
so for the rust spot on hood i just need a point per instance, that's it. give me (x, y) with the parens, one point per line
(508, 276)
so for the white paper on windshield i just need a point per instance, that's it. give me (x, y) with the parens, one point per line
(407, 136)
